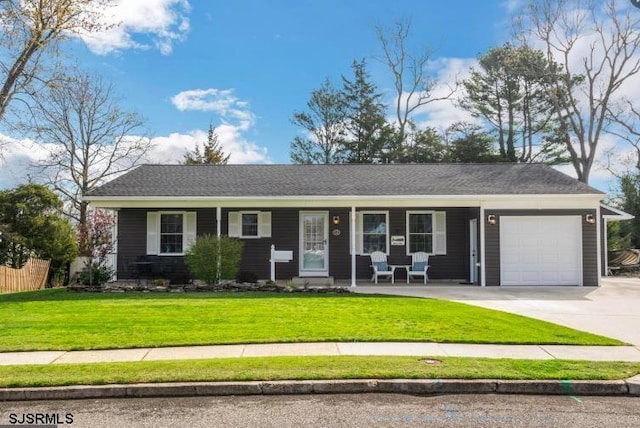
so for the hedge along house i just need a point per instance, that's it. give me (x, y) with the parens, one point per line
(484, 224)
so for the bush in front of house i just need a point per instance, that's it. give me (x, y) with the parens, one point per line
(96, 274)
(202, 258)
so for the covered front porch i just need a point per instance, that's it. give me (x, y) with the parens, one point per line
(321, 242)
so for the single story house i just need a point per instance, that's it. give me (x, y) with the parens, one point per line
(483, 224)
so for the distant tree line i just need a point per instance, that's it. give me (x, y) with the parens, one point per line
(507, 93)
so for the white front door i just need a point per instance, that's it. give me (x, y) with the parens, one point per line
(473, 250)
(314, 243)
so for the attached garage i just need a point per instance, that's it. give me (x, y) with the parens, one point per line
(541, 250)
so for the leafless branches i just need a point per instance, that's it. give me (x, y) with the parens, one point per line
(29, 31)
(598, 45)
(89, 137)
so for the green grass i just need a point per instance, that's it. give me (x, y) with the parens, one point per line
(296, 368)
(59, 320)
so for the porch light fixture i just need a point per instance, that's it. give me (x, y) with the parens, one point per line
(336, 220)
(491, 219)
(590, 218)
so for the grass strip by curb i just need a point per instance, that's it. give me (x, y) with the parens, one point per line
(310, 368)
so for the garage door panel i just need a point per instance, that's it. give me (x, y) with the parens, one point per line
(540, 250)
(530, 276)
(550, 277)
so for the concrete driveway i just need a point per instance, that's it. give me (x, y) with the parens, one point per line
(611, 310)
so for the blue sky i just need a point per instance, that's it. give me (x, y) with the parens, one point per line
(272, 54)
(246, 65)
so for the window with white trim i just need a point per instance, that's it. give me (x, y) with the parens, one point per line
(426, 232)
(375, 235)
(249, 224)
(170, 232)
(372, 232)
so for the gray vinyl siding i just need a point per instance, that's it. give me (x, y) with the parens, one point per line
(285, 231)
(589, 243)
(132, 239)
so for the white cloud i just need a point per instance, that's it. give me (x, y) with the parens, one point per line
(17, 157)
(171, 149)
(236, 120)
(220, 101)
(141, 24)
(441, 114)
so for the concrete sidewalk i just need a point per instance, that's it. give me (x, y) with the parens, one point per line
(535, 352)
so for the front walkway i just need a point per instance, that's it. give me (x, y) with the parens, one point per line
(534, 352)
(612, 310)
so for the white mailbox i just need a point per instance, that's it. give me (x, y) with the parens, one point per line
(278, 256)
(282, 256)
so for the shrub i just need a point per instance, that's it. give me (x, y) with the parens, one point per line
(95, 275)
(202, 258)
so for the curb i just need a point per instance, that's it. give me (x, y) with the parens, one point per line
(629, 387)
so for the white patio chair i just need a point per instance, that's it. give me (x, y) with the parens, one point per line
(419, 266)
(380, 266)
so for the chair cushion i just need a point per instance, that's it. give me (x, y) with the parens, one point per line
(419, 266)
(381, 266)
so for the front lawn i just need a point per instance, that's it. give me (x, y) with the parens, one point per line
(300, 368)
(59, 320)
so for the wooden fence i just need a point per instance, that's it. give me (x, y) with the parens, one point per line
(32, 276)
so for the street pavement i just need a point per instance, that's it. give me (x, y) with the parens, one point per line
(339, 410)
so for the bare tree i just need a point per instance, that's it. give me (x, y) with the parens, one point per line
(89, 137)
(627, 118)
(29, 30)
(413, 83)
(598, 46)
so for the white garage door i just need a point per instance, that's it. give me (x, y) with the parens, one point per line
(541, 250)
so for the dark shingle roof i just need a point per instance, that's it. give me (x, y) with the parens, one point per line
(341, 180)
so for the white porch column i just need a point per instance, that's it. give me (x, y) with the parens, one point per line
(601, 245)
(218, 221)
(219, 234)
(483, 249)
(605, 248)
(352, 232)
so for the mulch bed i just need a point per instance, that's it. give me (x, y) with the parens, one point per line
(127, 286)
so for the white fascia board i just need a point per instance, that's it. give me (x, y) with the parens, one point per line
(315, 201)
(544, 202)
(619, 214)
